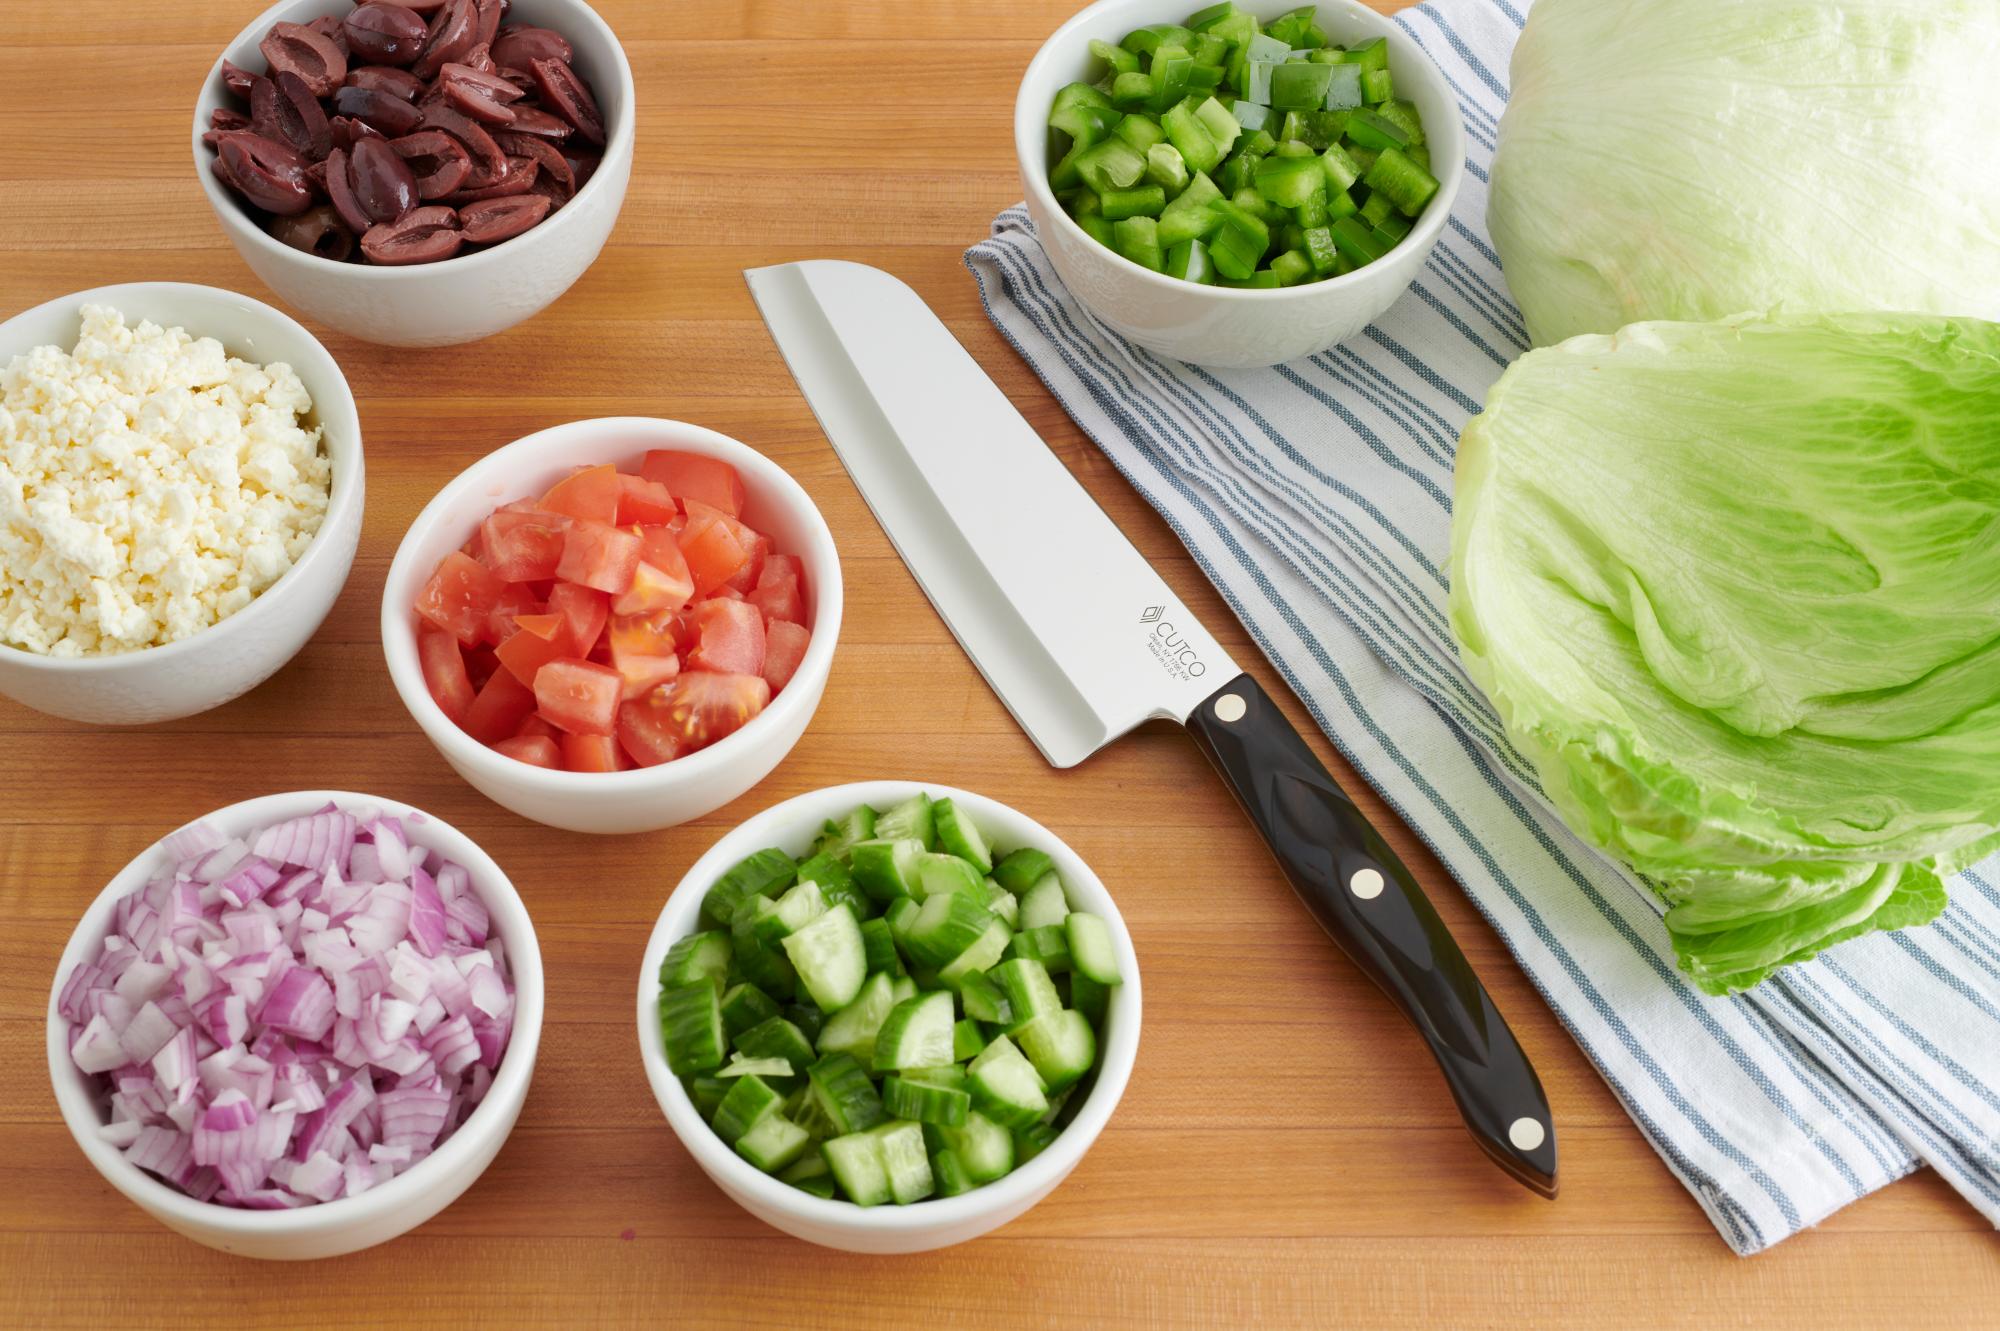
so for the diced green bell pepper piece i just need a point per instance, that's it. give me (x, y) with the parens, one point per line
(1371, 54)
(1189, 217)
(1238, 243)
(1377, 86)
(1220, 124)
(1404, 116)
(1138, 239)
(1290, 181)
(1292, 268)
(1191, 138)
(1112, 164)
(1372, 130)
(1117, 58)
(1141, 131)
(1261, 280)
(1170, 69)
(1250, 115)
(1343, 88)
(1341, 170)
(1166, 168)
(1358, 241)
(1140, 201)
(1312, 212)
(1401, 181)
(1100, 229)
(1378, 206)
(1146, 40)
(1203, 20)
(1132, 92)
(1298, 85)
(1320, 249)
(1189, 261)
(1251, 201)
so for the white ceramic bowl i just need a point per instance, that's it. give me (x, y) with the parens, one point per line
(346, 1224)
(239, 653)
(642, 799)
(474, 295)
(939, 1222)
(1222, 326)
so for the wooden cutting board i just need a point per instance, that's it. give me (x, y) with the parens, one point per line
(1285, 1155)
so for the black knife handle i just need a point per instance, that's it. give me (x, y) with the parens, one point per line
(1369, 903)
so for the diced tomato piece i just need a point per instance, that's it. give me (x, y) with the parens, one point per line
(784, 647)
(780, 602)
(578, 696)
(654, 588)
(725, 593)
(516, 599)
(590, 493)
(444, 671)
(713, 552)
(643, 732)
(503, 703)
(703, 707)
(599, 555)
(522, 547)
(782, 568)
(480, 663)
(644, 501)
(591, 753)
(729, 638)
(537, 750)
(539, 640)
(584, 611)
(641, 673)
(757, 547)
(645, 635)
(460, 596)
(696, 476)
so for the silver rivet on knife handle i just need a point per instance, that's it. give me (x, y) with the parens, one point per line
(1366, 884)
(1526, 1133)
(1230, 708)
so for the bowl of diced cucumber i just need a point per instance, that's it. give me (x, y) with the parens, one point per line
(889, 1017)
(1236, 186)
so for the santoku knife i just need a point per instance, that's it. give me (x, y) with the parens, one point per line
(1083, 641)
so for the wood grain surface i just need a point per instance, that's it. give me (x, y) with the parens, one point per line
(1286, 1154)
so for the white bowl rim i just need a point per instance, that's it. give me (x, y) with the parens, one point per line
(617, 151)
(1421, 237)
(502, 899)
(771, 481)
(340, 498)
(1118, 1054)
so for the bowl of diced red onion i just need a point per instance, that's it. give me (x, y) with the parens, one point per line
(299, 1026)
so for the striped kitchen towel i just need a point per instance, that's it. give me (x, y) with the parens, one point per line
(1317, 497)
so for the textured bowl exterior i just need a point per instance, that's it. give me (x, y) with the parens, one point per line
(1219, 326)
(346, 1224)
(939, 1222)
(234, 656)
(647, 798)
(462, 299)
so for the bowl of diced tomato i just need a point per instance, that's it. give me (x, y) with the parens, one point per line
(614, 625)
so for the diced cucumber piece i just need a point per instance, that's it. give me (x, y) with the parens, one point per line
(900, 914)
(761, 964)
(905, 1160)
(912, 818)
(881, 947)
(1061, 1045)
(903, 987)
(760, 875)
(1030, 991)
(743, 1006)
(806, 1017)
(706, 1091)
(773, 1142)
(982, 955)
(852, 1030)
(700, 956)
(944, 927)
(1090, 949)
(844, 1094)
(922, 1103)
(984, 1147)
(841, 834)
(956, 833)
(748, 1101)
(1048, 944)
(858, 1167)
(810, 1174)
(1005, 1086)
(1021, 869)
(967, 1039)
(1032, 1140)
(1089, 997)
(1044, 903)
(778, 920)
(777, 1071)
(887, 869)
(776, 1038)
(983, 1000)
(835, 881)
(691, 1027)
(950, 1075)
(950, 1172)
(830, 958)
(939, 873)
(998, 899)
(917, 1033)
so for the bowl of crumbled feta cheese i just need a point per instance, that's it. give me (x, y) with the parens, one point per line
(180, 497)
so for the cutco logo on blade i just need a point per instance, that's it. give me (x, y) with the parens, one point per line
(1168, 646)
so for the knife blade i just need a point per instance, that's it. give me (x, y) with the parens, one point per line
(1083, 641)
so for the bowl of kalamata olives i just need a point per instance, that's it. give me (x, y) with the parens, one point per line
(418, 172)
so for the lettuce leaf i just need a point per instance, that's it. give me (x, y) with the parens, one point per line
(1735, 590)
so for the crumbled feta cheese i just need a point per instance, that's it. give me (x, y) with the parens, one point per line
(150, 486)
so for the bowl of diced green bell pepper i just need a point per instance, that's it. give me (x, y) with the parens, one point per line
(888, 1017)
(1239, 185)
